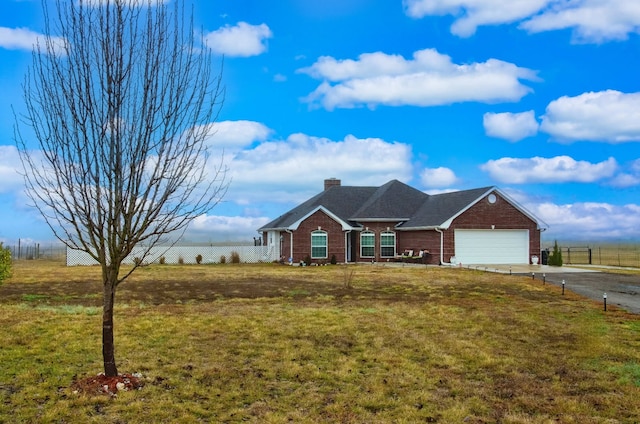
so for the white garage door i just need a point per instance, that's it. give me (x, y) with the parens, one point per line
(492, 246)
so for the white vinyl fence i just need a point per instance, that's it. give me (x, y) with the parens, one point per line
(186, 254)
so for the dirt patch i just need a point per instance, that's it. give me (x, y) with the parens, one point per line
(171, 286)
(205, 290)
(102, 385)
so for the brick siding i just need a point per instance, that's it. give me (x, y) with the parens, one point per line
(302, 238)
(482, 215)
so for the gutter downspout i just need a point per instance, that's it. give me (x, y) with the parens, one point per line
(346, 246)
(290, 244)
(442, 262)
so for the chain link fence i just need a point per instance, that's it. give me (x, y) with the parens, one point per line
(30, 251)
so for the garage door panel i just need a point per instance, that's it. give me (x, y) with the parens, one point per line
(492, 246)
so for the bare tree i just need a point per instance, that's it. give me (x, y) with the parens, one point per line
(120, 98)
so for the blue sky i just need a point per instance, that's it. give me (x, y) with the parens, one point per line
(538, 97)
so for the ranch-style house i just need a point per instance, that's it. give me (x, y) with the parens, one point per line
(396, 222)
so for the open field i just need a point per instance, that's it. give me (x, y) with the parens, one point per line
(621, 254)
(345, 344)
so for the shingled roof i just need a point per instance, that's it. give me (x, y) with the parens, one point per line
(438, 209)
(341, 201)
(393, 202)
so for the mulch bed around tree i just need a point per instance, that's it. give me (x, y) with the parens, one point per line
(102, 385)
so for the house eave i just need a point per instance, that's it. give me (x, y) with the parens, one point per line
(265, 229)
(380, 219)
(345, 225)
(420, 228)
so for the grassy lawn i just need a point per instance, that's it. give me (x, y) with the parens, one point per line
(275, 344)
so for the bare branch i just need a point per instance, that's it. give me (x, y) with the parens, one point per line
(120, 114)
(113, 140)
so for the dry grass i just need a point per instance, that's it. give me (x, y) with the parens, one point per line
(621, 255)
(280, 344)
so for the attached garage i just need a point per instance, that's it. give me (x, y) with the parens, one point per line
(492, 246)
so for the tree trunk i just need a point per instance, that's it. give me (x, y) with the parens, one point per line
(123, 111)
(108, 346)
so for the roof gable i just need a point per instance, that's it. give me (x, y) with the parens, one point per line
(439, 211)
(439, 208)
(345, 225)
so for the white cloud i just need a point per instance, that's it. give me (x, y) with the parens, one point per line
(429, 78)
(559, 169)
(589, 221)
(625, 180)
(25, 39)
(234, 135)
(511, 126)
(221, 228)
(438, 177)
(242, 40)
(294, 169)
(629, 178)
(473, 13)
(18, 38)
(279, 78)
(608, 116)
(591, 20)
(10, 168)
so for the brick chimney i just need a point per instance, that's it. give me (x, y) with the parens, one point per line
(331, 182)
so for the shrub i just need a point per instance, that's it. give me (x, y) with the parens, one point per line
(199, 259)
(235, 257)
(555, 258)
(223, 259)
(333, 260)
(181, 260)
(162, 260)
(348, 272)
(5, 262)
(137, 261)
(307, 260)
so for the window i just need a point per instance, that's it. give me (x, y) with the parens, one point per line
(367, 244)
(318, 245)
(387, 244)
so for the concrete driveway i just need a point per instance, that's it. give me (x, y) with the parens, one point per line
(623, 290)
